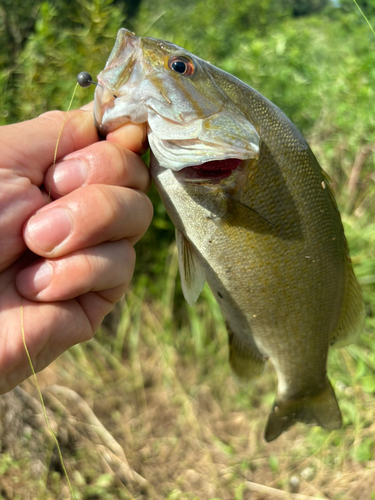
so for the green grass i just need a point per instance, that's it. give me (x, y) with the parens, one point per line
(157, 378)
(156, 374)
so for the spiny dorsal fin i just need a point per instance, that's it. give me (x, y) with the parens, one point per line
(192, 273)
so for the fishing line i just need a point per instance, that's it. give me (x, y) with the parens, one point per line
(153, 24)
(48, 424)
(22, 320)
(364, 16)
(345, 356)
(60, 132)
(344, 352)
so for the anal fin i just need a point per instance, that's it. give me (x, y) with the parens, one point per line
(245, 360)
(320, 408)
(192, 273)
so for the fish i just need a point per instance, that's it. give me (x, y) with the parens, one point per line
(255, 218)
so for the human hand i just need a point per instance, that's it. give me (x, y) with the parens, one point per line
(68, 257)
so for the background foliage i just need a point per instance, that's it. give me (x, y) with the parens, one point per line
(315, 60)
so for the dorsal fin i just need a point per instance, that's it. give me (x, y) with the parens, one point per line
(352, 318)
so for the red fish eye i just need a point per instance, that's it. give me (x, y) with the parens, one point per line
(181, 65)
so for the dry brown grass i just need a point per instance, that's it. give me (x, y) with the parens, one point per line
(149, 410)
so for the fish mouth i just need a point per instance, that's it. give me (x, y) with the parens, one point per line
(207, 172)
(126, 67)
(210, 171)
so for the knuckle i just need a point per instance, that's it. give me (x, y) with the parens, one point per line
(130, 255)
(104, 198)
(148, 181)
(150, 209)
(147, 207)
(54, 116)
(87, 265)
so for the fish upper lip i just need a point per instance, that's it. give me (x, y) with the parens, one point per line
(104, 128)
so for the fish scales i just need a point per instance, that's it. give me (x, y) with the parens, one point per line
(254, 217)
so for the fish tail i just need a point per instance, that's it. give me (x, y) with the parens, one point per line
(320, 408)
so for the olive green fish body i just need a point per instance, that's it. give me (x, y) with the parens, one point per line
(255, 269)
(266, 236)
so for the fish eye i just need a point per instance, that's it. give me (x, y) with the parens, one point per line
(182, 65)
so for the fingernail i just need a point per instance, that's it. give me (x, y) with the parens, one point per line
(49, 228)
(34, 279)
(69, 175)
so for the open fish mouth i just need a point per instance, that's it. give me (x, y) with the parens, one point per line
(210, 171)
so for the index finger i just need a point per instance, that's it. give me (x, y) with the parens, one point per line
(28, 148)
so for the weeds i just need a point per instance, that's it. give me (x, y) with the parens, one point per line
(152, 410)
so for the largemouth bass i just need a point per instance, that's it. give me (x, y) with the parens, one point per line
(254, 214)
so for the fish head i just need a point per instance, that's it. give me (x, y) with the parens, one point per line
(191, 119)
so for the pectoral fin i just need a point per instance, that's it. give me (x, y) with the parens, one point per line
(245, 360)
(192, 273)
(320, 408)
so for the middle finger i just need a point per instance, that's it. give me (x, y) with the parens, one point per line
(86, 217)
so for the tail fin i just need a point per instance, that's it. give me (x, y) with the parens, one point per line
(321, 409)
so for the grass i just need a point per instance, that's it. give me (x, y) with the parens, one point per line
(152, 393)
(148, 408)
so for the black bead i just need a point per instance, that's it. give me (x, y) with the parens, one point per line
(84, 79)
